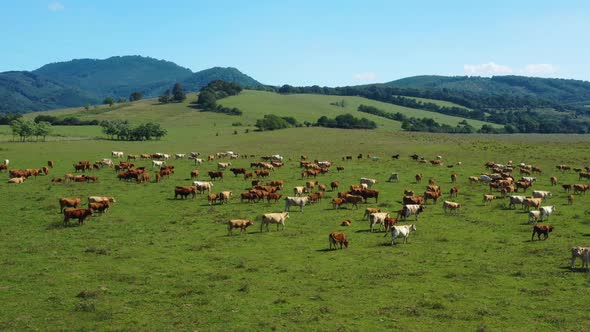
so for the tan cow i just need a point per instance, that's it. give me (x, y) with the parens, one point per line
(238, 223)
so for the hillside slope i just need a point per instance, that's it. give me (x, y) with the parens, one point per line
(89, 81)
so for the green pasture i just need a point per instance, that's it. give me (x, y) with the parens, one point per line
(153, 262)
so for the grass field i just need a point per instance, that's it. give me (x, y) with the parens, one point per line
(155, 263)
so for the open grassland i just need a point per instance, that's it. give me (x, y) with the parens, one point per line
(156, 263)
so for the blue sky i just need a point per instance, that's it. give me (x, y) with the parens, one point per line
(306, 42)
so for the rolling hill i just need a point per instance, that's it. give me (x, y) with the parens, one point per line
(89, 81)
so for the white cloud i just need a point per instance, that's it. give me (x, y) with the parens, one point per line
(365, 77)
(56, 6)
(539, 69)
(486, 69)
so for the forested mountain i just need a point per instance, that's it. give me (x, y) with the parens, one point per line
(88, 81)
(553, 90)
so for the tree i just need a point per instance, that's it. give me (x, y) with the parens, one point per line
(166, 97)
(207, 100)
(135, 96)
(22, 128)
(109, 100)
(41, 128)
(87, 107)
(178, 94)
(121, 100)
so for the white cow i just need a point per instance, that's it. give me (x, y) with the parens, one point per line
(195, 154)
(377, 218)
(324, 163)
(541, 194)
(412, 209)
(534, 216)
(516, 200)
(583, 253)
(485, 178)
(107, 162)
(529, 179)
(166, 156)
(223, 165)
(546, 211)
(393, 177)
(203, 185)
(158, 163)
(273, 218)
(117, 154)
(369, 182)
(101, 199)
(403, 230)
(451, 206)
(6, 162)
(179, 155)
(298, 201)
(277, 157)
(299, 190)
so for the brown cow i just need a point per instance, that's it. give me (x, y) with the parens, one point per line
(50, 163)
(413, 200)
(453, 178)
(553, 181)
(211, 198)
(216, 175)
(80, 214)
(570, 199)
(454, 191)
(346, 222)
(184, 191)
(354, 200)
(274, 196)
(337, 202)
(68, 202)
(100, 206)
(541, 229)
(433, 195)
(194, 173)
(334, 185)
(238, 223)
(339, 168)
(338, 238)
(388, 223)
(419, 178)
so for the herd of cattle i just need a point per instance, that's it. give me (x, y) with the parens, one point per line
(500, 178)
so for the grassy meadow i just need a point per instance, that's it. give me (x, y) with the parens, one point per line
(153, 262)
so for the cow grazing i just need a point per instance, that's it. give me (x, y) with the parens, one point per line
(158, 163)
(404, 230)
(346, 222)
(546, 211)
(238, 223)
(369, 182)
(453, 178)
(80, 214)
(580, 188)
(194, 173)
(98, 199)
(570, 199)
(377, 218)
(273, 218)
(534, 216)
(541, 229)
(101, 207)
(117, 154)
(184, 191)
(203, 186)
(418, 178)
(583, 253)
(337, 202)
(433, 195)
(354, 200)
(223, 165)
(370, 210)
(299, 190)
(516, 200)
(532, 202)
(541, 194)
(488, 198)
(412, 209)
(337, 238)
(212, 198)
(451, 206)
(224, 196)
(179, 155)
(273, 196)
(297, 201)
(50, 163)
(394, 177)
(454, 192)
(388, 223)
(68, 202)
(216, 175)
(553, 180)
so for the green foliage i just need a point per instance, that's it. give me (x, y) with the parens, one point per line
(346, 121)
(273, 122)
(25, 128)
(136, 96)
(65, 121)
(122, 130)
(215, 90)
(109, 101)
(121, 100)
(6, 119)
(178, 93)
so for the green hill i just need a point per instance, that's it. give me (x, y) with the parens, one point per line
(559, 91)
(89, 81)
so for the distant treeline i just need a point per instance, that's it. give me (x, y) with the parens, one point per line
(215, 90)
(344, 121)
(68, 121)
(522, 114)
